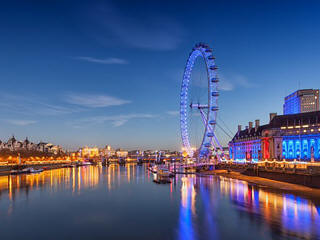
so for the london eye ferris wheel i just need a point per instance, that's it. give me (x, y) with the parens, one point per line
(199, 105)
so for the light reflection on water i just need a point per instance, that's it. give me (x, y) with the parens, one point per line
(53, 180)
(190, 207)
(297, 216)
(288, 216)
(187, 209)
(66, 178)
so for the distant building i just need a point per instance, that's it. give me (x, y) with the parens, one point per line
(120, 153)
(41, 147)
(14, 145)
(226, 152)
(135, 154)
(107, 152)
(301, 101)
(55, 149)
(151, 154)
(87, 152)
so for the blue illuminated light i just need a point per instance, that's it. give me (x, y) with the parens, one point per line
(305, 147)
(248, 150)
(292, 104)
(290, 149)
(200, 50)
(298, 149)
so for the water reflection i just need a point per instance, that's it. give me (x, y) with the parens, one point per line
(76, 178)
(197, 207)
(53, 180)
(114, 173)
(287, 215)
(187, 209)
(291, 215)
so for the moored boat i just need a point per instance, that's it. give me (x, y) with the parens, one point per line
(153, 169)
(162, 176)
(32, 170)
(85, 163)
(15, 172)
(20, 171)
(161, 171)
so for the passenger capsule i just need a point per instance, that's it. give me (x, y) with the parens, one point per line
(213, 68)
(215, 94)
(210, 134)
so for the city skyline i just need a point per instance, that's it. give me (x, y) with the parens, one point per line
(75, 74)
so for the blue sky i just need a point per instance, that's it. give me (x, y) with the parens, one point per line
(108, 72)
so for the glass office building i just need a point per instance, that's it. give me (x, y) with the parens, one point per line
(301, 101)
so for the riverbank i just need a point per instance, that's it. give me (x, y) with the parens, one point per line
(264, 182)
(5, 170)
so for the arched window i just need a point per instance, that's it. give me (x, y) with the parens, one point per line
(298, 149)
(290, 150)
(284, 149)
(305, 149)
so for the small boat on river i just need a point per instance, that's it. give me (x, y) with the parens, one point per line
(153, 169)
(85, 163)
(161, 170)
(19, 171)
(162, 176)
(32, 170)
(25, 170)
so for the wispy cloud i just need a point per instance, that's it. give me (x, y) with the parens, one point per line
(243, 81)
(94, 101)
(173, 113)
(230, 82)
(50, 109)
(68, 104)
(21, 122)
(103, 61)
(225, 85)
(152, 31)
(116, 120)
(31, 105)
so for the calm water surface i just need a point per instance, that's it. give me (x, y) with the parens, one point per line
(115, 202)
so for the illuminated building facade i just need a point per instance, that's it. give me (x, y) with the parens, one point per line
(246, 144)
(87, 152)
(107, 152)
(121, 153)
(300, 136)
(291, 137)
(301, 101)
(135, 154)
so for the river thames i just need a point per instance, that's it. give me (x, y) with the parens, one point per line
(123, 202)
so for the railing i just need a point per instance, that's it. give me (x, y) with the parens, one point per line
(274, 161)
(275, 166)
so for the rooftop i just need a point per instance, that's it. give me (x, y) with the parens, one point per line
(279, 121)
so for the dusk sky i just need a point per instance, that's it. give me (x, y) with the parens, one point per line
(93, 73)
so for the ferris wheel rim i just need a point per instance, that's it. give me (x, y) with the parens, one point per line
(204, 51)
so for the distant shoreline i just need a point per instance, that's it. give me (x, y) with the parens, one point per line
(5, 170)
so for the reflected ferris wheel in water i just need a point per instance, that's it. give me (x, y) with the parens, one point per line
(199, 105)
